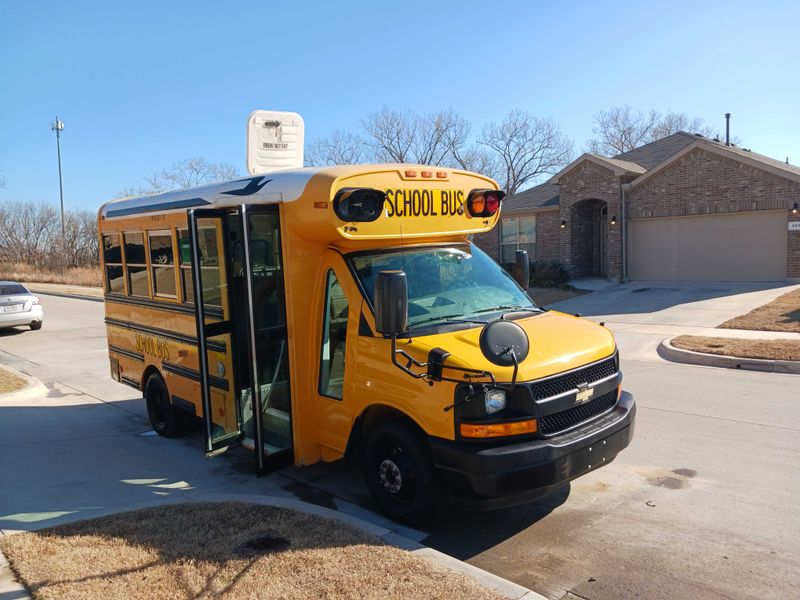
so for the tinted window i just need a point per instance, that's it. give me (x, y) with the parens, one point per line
(12, 289)
(111, 249)
(112, 256)
(134, 249)
(185, 261)
(163, 264)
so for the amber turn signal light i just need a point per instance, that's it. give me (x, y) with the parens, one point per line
(484, 203)
(490, 430)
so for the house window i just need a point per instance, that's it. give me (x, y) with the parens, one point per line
(517, 233)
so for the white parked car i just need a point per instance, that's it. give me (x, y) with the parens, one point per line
(18, 307)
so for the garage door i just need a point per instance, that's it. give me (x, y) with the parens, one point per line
(733, 247)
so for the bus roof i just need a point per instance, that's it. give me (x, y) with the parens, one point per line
(270, 188)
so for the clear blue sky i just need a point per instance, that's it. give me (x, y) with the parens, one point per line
(142, 84)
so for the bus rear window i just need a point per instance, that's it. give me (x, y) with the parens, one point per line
(112, 258)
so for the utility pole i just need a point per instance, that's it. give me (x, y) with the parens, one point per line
(58, 127)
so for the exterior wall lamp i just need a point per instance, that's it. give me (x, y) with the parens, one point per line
(613, 219)
(794, 211)
(564, 223)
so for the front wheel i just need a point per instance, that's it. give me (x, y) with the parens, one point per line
(399, 472)
(164, 417)
(36, 326)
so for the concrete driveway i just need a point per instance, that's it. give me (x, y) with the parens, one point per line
(642, 314)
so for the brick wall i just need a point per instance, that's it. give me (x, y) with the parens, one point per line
(548, 236)
(793, 242)
(589, 181)
(702, 183)
(489, 242)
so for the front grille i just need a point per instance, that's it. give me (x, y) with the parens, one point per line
(569, 381)
(577, 414)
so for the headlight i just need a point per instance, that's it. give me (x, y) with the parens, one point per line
(495, 401)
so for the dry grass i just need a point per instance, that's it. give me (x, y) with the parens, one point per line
(201, 551)
(782, 314)
(545, 296)
(89, 276)
(741, 348)
(10, 382)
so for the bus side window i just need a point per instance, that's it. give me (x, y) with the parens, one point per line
(334, 338)
(112, 258)
(136, 264)
(162, 263)
(185, 260)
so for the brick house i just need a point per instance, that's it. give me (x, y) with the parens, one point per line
(682, 208)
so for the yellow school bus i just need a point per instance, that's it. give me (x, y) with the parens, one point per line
(316, 313)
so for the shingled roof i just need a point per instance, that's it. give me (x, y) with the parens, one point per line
(541, 196)
(641, 161)
(657, 152)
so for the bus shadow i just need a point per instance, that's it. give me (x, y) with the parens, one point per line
(458, 532)
(464, 534)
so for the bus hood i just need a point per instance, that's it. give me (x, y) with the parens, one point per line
(558, 342)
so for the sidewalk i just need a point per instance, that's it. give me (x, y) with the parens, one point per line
(79, 457)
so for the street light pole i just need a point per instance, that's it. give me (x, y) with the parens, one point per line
(58, 127)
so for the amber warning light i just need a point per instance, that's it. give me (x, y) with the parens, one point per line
(484, 203)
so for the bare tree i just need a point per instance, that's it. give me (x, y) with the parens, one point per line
(3, 182)
(183, 174)
(526, 148)
(30, 233)
(337, 148)
(622, 128)
(429, 139)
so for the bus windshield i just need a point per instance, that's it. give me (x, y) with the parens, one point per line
(456, 282)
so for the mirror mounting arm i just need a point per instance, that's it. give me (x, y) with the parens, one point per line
(427, 376)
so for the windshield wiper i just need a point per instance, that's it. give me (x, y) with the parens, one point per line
(446, 319)
(510, 308)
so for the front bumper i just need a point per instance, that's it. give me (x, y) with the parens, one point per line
(480, 477)
(16, 319)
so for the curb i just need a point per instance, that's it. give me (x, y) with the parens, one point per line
(501, 586)
(67, 295)
(33, 388)
(669, 352)
(10, 586)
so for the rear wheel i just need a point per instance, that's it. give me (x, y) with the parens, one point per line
(36, 326)
(399, 472)
(164, 417)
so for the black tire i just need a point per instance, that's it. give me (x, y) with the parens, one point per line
(36, 326)
(164, 417)
(399, 473)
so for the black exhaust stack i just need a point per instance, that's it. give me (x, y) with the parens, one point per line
(727, 129)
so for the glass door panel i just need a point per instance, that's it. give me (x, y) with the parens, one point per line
(215, 328)
(269, 421)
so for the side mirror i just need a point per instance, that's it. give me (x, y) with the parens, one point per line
(522, 269)
(391, 302)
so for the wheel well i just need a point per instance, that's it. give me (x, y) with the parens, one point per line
(373, 416)
(151, 370)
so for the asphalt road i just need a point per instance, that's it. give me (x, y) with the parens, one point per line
(703, 504)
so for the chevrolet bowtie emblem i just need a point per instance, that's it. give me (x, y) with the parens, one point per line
(584, 394)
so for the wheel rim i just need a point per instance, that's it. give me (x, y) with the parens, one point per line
(395, 473)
